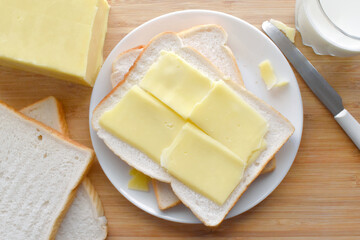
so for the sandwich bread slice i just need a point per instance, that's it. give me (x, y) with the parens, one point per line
(210, 213)
(40, 170)
(85, 218)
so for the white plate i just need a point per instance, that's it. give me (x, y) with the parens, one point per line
(250, 47)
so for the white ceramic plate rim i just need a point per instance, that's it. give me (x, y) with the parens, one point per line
(103, 86)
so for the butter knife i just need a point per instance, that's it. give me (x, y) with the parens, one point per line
(320, 87)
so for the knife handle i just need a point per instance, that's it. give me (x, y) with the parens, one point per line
(350, 126)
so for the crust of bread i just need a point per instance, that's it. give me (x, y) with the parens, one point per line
(94, 196)
(58, 135)
(125, 52)
(158, 198)
(119, 70)
(62, 119)
(238, 89)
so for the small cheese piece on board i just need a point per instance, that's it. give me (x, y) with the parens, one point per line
(288, 31)
(226, 117)
(176, 83)
(203, 164)
(58, 38)
(142, 121)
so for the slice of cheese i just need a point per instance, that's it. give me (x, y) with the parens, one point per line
(227, 118)
(142, 121)
(59, 38)
(176, 83)
(139, 181)
(289, 31)
(267, 74)
(203, 164)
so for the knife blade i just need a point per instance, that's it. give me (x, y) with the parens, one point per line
(320, 87)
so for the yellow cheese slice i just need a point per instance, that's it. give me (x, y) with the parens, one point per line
(142, 121)
(203, 164)
(267, 74)
(289, 31)
(63, 39)
(176, 83)
(226, 117)
(139, 181)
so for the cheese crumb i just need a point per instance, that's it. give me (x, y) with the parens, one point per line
(288, 31)
(282, 84)
(267, 74)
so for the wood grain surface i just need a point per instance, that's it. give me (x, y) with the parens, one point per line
(318, 199)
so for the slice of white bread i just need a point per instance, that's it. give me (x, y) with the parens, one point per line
(165, 197)
(210, 40)
(85, 218)
(211, 214)
(40, 170)
(217, 52)
(48, 111)
(123, 63)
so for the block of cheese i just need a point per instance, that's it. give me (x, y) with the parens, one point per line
(176, 83)
(227, 118)
(58, 38)
(139, 118)
(203, 164)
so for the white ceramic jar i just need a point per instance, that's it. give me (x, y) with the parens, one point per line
(330, 27)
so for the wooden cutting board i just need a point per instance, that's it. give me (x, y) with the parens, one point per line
(318, 199)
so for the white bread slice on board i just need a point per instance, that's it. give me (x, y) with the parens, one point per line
(211, 214)
(85, 218)
(48, 111)
(165, 196)
(39, 172)
(210, 40)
